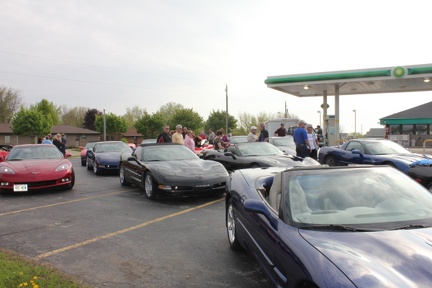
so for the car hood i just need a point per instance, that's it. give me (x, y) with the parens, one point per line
(109, 156)
(399, 258)
(190, 167)
(286, 161)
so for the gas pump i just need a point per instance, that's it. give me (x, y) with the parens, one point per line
(330, 131)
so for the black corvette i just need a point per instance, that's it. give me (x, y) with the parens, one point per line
(171, 169)
(255, 154)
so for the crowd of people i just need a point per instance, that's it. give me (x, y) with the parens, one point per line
(58, 140)
(184, 136)
(304, 136)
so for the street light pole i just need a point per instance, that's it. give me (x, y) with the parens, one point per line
(355, 121)
(319, 111)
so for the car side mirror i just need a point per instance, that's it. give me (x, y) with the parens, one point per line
(357, 152)
(257, 206)
(230, 154)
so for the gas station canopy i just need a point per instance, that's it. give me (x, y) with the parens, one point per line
(412, 78)
(365, 81)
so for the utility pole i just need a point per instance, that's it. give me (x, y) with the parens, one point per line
(104, 122)
(226, 117)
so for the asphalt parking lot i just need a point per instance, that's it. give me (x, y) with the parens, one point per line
(113, 236)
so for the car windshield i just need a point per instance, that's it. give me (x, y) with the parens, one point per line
(258, 149)
(89, 145)
(112, 147)
(283, 141)
(36, 151)
(384, 147)
(147, 141)
(167, 153)
(381, 197)
(238, 139)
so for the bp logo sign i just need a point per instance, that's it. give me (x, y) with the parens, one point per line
(398, 72)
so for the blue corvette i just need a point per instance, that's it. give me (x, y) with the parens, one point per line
(380, 152)
(356, 226)
(105, 156)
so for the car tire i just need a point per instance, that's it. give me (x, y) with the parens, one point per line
(254, 165)
(71, 185)
(88, 165)
(122, 177)
(149, 186)
(331, 161)
(96, 170)
(231, 227)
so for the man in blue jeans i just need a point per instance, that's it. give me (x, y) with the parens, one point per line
(301, 140)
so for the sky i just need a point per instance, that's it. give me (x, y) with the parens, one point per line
(115, 55)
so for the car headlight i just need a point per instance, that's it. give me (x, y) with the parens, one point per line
(62, 167)
(219, 169)
(6, 170)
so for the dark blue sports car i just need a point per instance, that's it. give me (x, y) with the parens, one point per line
(356, 226)
(105, 156)
(380, 152)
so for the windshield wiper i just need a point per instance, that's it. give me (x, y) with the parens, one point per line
(411, 226)
(340, 227)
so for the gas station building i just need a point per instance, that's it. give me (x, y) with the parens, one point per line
(411, 78)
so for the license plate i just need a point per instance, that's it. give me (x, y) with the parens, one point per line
(20, 188)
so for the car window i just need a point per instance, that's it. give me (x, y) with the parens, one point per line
(355, 145)
(258, 149)
(167, 153)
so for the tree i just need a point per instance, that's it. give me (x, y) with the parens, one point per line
(90, 118)
(10, 102)
(133, 114)
(149, 125)
(49, 111)
(187, 117)
(168, 110)
(115, 125)
(217, 120)
(73, 116)
(30, 122)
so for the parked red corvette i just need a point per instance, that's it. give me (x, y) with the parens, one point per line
(35, 167)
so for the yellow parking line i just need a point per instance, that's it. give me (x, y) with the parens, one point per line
(61, 203)
(109, 235)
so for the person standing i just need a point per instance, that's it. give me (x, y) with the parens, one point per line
(57, 142)
(301, 140)
(184, 133)
(217, 142)
(252, 137)
(63, 142)
(264, 134)
(47, 139)
(189, 141)
(211, 136)
(165, 136)
(281, 131)
(313, 141)
(177, 137)
(318, 130)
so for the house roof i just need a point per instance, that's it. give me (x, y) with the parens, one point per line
(131, 133)
(5, 128)
(421, 114)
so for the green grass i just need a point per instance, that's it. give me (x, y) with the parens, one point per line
(18, 271)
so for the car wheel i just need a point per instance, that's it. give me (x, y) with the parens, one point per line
(83, 162)
(96, 170)
(122, 177)
(88, 165)
(231, 227)
(255, 165)
(149, 186)
(71, 185)
(331, 161)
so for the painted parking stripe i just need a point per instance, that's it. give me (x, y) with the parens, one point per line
(109, 235)
(62, 203)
